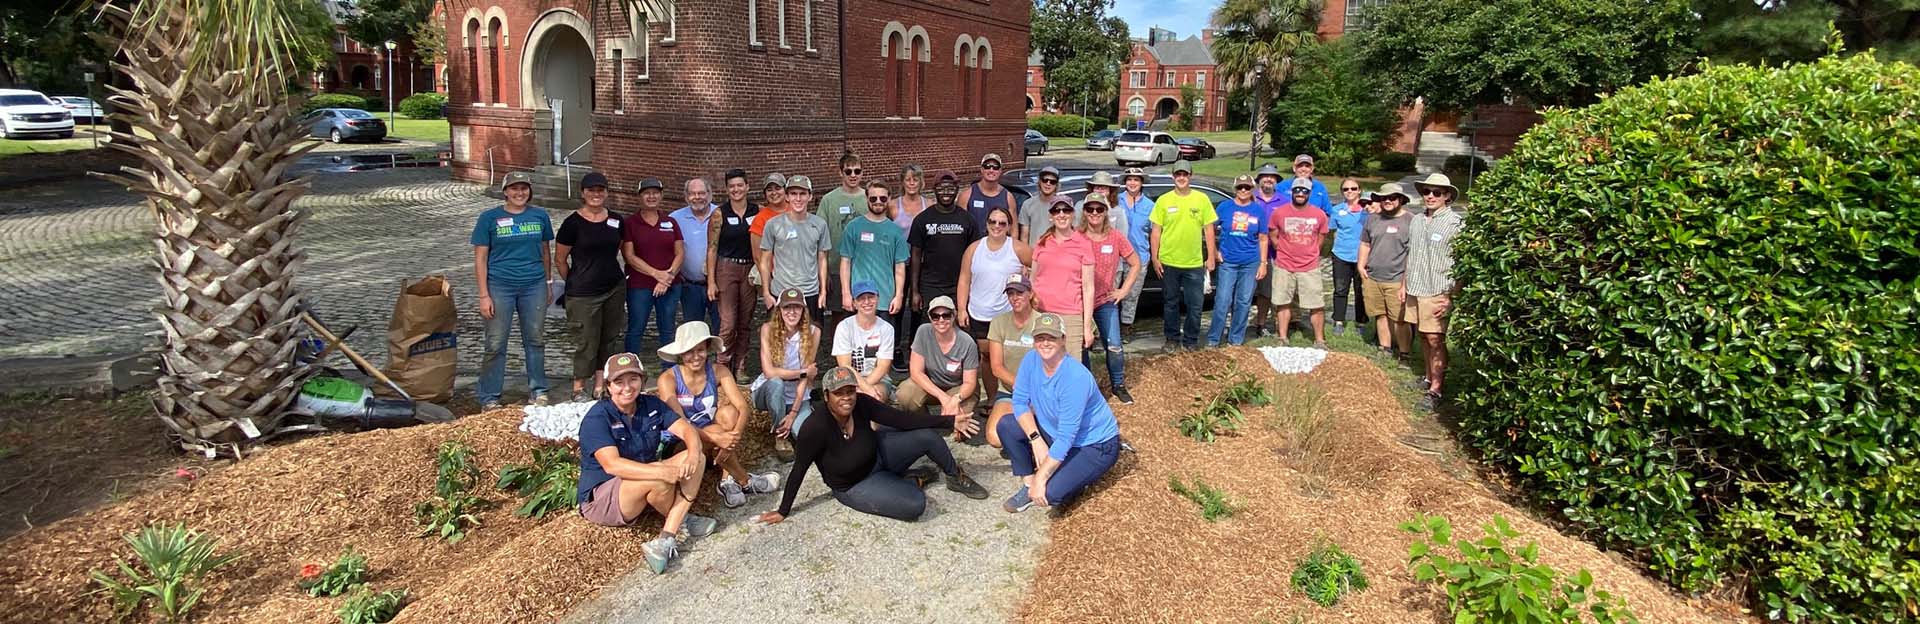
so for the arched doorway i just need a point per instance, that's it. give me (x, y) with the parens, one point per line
(560, 67)
(361, 78)
(1165, 108)
(1029, 103)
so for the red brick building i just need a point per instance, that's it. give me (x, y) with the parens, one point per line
(1037, 87)
(362, 69)
(647, 88)
(1150, 80)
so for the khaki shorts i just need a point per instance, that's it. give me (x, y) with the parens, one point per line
(603, 505)
(911, 397)
(1420, 311)
(1383, 299)
(1299, 289)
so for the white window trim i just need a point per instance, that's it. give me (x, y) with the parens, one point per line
(808, 22)
(753, 22)
(783, 24)
(1200, 80)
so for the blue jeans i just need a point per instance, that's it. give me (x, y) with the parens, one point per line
(641, 303)
(1082, 466)
(694, 305)
(529, 303)
(1106, 318)
(1181, 289)
(1233, 294)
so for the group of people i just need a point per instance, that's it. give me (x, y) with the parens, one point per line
(980, 298)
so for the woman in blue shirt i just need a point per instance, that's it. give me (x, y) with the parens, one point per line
(1243, 262)
(628, 464)
(1347, 221)
(1072, 436)
(510, 260)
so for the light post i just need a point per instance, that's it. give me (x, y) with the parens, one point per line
(1259, 112)
(390, 103)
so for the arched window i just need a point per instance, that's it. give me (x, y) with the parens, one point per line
(1136, 107)
(496, 39)
(472, 43)
(983, 61)
(921, 55)
(963, 63)
(895, 52)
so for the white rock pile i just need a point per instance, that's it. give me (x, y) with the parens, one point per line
(1290, 360)
(556, 422)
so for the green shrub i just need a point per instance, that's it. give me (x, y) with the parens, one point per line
(1327, 574)
(173, 562)
(334, 100)
(1464, 170)
(1096, 124)
(1398, 162)
(1691, 326)
(1061, 125)
(1334, 110)
(1488, 582)
(423, 105)
(548, 483)
(1213, 501)
(348, 570)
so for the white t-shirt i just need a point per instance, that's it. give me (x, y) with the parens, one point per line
(867, 346)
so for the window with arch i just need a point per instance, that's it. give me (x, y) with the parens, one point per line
(893, 54)
(472, 43)
(982, 61)
(921, 54)
(963, 63)
(1136, 108)
(496, 31)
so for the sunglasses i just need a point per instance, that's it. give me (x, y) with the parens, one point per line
(1243, 188)
(877, 199)
(1094, 210)
(941, 316)
(1060, 210)
(1349, 188)
(1432, 192)
(991, 167)
(996, 222)
(855, 171)
(1049, 181)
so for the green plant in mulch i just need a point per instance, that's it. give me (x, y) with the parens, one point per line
(1488, 581)
(346, 571)
(450, 513)
(1221, 414)
(548, 483)
(1213, 501)
(1328, 574)
(173, 560)
(369, 607)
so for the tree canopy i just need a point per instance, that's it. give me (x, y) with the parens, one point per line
(379, 21)
(1248, 32)
(1775, 31)
(1081, 49)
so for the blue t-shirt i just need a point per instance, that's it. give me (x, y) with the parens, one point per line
(1242, 227)
(514, 243)
(1347, 222)
(1068, 404)
(1139, 221)
(638, 437)
(873, 248)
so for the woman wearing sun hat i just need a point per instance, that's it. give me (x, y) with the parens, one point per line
(1072, 436)
(704, 393)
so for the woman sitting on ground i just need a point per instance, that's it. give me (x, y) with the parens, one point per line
(868, 470)
(717, 408)
(1067, 424)
(626, 466)
(789, 344)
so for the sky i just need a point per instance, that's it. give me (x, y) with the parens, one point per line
(1185, 17)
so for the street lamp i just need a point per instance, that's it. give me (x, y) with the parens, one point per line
(1259, 111)
(390, 104)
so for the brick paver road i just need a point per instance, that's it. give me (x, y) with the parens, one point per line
(76, 274)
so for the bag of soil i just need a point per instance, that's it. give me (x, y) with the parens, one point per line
(421, 342)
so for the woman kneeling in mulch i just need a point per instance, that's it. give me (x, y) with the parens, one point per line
(1066, 422)
(868, 470)
(622, 473)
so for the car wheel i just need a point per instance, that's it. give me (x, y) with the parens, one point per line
(66, 135)
(334, 135)
(1043, 150)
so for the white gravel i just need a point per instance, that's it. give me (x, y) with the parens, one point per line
(1292, 360)
(556, 422)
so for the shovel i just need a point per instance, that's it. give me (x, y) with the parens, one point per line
(379, 410)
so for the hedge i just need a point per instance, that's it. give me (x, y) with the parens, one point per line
(334, 100)
(1693, 326)
(1398, 162)
(1062, 125)
(423, 105)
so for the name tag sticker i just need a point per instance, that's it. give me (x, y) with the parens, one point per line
(666, 225)
(1393, 230)
(979, 203)
(1026, 340)
(866, 237)
(846, 210)
(1106, 249)
(503, 222)
(953, 366)
(612, 222)
(1436, 237)
(793, 234)
(733, 220)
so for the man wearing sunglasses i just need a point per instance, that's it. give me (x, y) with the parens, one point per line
(1184, 252)
(842, 205)
(981, 197)
(1383, 266)
(1033, 212)
(1298, 228)
(872, 249)
(1428, 294)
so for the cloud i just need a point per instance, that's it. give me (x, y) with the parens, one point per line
(1185, 17)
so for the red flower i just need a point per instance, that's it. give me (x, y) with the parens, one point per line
(311, 570)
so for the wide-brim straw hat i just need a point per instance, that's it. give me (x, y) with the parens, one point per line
(688, 335)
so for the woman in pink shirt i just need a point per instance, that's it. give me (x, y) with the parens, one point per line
(1063, 274)
(1110, 248)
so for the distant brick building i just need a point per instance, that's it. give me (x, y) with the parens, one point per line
(650, 88)
(1158, 65)
(362, 69)
(1037, 87)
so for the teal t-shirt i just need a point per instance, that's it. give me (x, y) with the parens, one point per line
(873, 247)
(513, 242)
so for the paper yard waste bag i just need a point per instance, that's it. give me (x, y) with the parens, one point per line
(421, 342)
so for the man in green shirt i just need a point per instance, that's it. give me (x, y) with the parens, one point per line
(1184, 252)
(873, 249)
(839, 206)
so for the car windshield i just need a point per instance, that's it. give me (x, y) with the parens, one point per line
(1188, 141)
(1106, 133)
(24, 99)
(1136, 137)
(353, 113)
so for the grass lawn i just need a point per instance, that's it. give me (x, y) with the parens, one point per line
(429, 130)
(80, 141)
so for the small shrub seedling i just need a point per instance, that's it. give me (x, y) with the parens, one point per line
(454, 469)
(1220, 414)
(1213, 502)
(1488, 582)
(348, 570)
(450, 513)
(369, 607)
(173, 560)
(1328, 574)
(548, 483)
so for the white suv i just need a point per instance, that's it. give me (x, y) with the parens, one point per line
(1145, 147)
(25, 113)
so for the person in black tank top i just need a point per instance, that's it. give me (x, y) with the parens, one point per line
(729, 261)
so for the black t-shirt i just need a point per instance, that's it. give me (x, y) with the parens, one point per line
(593, 265)
(844, 461)
(736, 239)
(942, 238)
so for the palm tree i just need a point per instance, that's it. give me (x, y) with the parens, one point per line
(1250, 34)
(211, 105)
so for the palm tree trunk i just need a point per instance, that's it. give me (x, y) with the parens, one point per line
(225, 225)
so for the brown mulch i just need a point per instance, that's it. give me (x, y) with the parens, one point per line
(66, 456)
(307, 501)
(1134, 551)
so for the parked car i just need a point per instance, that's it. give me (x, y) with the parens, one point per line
(1145, 147)
(82, 108)
(1036, 142)
(1195, 148)
(1102, 140)
(27, 113)
(344, 124)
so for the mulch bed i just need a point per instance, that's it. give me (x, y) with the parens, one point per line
(1134, 551)
(307, 501)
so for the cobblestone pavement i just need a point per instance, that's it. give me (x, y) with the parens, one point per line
(76, 274)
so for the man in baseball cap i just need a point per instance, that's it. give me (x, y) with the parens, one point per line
(1298, 229)
(1184, 252)
(982, 197)
(796, 251)
(943, 367)
(1072, 437)
(1303, 171)
(623, 433)
(511, 245)
(1033, 212)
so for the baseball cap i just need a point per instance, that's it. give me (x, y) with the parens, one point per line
(1182, 166)
(941, 301)
(516, 177)
(836, 378)
(1268, 170)
(1018, 283)
(864, 287)
(791, 297)
(800, 182)
(775, 179)
(1049, 324)
(1096, 197)
(993, 158)
(621, 364)
(1303, 158)
(944, 175)
(1244, 180)
(593, 179)
(653, 184)
(1050, 170)
(1302, 186)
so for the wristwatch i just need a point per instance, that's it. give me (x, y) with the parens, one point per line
(1034, 437)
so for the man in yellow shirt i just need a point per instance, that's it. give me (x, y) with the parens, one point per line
(1184, 251)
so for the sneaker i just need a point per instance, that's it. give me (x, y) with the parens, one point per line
(730, 492)
(1015, 504)
(1430, 400)
(1420, 383)
(582, 396)
(1339, 328)
(539, 398)
(922, 476)
(966, 486)
(763, 483)
(1320, 344)
(783, 449)
(1120, 393)
(698, 526)
(1005, 455)
(491, 405)
(661, 551)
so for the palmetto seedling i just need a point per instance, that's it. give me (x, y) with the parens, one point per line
(548, 483)
(173, 560)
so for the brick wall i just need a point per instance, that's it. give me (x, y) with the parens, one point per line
(1213, 117)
